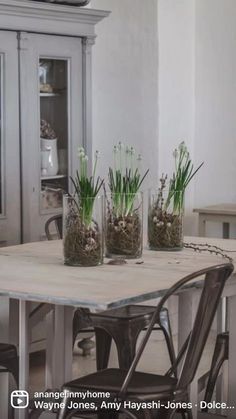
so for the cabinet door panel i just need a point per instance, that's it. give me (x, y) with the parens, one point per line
(51, 108)
(10, 218)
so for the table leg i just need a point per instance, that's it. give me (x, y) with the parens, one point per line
(59, 346)
(13, 339)
(69, 311)
(226, 232)
(201, 226)
(4, 378)
(24, 310)
(50, 318)
(188, 303)
(231, 413)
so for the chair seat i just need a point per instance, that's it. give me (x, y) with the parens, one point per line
(112, 379)
(126, 312)
(7, 351)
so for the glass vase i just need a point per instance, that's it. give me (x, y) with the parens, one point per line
(165, 220)
(83, 231)
(124, 226)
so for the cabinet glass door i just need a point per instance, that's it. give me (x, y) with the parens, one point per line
(10, 208)
(53, 93)
(52, 125)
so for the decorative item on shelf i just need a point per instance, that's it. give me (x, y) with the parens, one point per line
(166, 207)
(45, 76)
(51, 197)
(124, 219)
(83, 215)
(45, 161)
(49, 143)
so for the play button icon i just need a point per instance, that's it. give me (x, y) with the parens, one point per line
(20, 399)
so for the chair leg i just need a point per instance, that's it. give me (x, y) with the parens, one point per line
(166, 328)
(126, 348)
(189, 414)
(35, 414)
(66, 414)
(103, 347)
(166, 414)
(221, 354)
(81, 321)
(13, 367)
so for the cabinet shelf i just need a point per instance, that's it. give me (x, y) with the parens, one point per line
(53, 177)
(41, 94)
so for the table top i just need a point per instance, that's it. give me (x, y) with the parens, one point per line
(35, 272)
(219, 209)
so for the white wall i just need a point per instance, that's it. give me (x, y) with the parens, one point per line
(216, 100)
(176, 26)
(197, 96)
(193, 78)
(125, 80)
(215, 134)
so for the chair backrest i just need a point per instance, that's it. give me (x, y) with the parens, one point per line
(213, 285)
(57, 220)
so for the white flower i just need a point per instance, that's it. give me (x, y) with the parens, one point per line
(115, 149)
(85, 158)
(97, 154)
(183, 147)
(175, 153)
(81, 152)
(132, 151)
(120, 146)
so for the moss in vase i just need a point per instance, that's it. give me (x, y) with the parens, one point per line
(83, 243)
(124, 236)
(165, 230)
(165, 218)
(124, 215)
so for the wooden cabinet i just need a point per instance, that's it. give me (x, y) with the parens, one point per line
(10, 204)
(56, 101)
(45, 81)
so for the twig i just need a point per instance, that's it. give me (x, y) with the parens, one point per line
(200, 247)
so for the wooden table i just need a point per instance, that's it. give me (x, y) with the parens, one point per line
(221, 213)
(35, 272)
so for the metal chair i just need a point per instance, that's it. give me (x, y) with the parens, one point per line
(220, 355)
(123, 325)
(9, 360)
(136, 386)
(57, 220)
